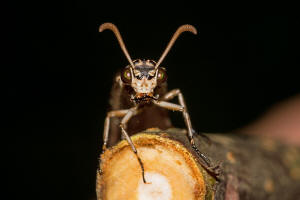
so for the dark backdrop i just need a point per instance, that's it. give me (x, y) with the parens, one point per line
(59, 72)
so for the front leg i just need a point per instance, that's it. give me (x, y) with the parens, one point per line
(131, 112)
(176, 92)
(182, 108)
(127, 115)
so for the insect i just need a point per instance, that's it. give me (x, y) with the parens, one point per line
(140, 99)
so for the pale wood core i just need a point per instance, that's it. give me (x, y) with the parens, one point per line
(172, 171)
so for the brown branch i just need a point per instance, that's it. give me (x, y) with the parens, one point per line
(251, 168)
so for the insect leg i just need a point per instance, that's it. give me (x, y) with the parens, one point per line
(183, 109)
(131, 112)
(114, 113)
(176, 92)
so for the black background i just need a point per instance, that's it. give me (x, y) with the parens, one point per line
(59, 72)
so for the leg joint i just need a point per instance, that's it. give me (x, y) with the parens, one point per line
(170, 95)
(111, 114)
(177, 91)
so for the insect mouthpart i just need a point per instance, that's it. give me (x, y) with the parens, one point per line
(144, 97)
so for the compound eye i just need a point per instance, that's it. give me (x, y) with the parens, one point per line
(162, 75)
(126, 75)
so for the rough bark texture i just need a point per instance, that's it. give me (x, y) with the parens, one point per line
(251, 167)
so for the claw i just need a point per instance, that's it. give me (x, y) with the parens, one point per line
(215, 171)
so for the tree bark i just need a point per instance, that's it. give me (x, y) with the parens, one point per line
(250, 168)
